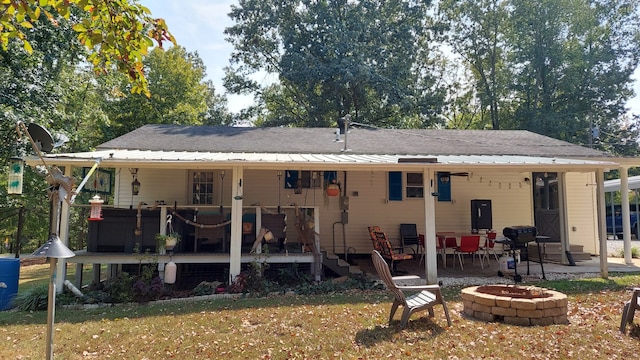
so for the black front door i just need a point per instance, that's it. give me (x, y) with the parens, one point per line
(546, 202)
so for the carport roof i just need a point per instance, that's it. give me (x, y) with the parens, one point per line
(614, 185)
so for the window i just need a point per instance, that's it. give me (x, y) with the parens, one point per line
(295, 179)
(330, 177)
(415, 186)
(202, 188)
(395, 186)
(444, 186)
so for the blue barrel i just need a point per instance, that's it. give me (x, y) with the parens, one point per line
(9, 276)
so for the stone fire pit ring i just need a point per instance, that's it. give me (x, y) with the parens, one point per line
(515, 305)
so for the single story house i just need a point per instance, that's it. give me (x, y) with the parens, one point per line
(219, 186)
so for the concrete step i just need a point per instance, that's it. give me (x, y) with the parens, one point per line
(553, 249)
(553, 252)
(557, 258)
(337, 265)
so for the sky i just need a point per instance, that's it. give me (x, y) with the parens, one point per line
(198, 26)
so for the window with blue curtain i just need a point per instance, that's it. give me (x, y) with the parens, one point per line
(330, 177)
(395, 186)
(291, 179)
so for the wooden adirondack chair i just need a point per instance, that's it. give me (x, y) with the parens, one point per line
(630, 308)
(424, 297)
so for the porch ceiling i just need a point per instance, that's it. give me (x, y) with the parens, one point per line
(185, 159)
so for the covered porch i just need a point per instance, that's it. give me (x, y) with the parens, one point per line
(403, 184)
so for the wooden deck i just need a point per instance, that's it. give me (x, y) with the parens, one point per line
(115, 261)
(110, 258)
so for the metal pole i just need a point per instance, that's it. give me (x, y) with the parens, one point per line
(51, 306)
(19, 231)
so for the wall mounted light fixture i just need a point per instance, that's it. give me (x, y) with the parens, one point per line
(135, 184)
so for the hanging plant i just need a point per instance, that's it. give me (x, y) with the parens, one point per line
(333, 189)
(168, 241)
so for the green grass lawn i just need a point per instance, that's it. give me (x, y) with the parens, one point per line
(348, 325)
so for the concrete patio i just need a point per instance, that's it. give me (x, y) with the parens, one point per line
(473, 269)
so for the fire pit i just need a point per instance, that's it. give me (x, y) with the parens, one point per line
(516, 305)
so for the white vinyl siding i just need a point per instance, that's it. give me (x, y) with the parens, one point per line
(155, 185)
(582, 222)
(510, 195)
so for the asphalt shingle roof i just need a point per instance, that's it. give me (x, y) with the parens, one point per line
(359, 141)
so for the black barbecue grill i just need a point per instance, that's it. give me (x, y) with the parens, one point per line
(518, 238)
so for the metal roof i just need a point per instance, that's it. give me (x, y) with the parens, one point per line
(186, 159)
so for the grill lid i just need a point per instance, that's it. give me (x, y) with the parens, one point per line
(521, 233)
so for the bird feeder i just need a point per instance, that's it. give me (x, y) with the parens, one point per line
(16, 174)
(96, 208)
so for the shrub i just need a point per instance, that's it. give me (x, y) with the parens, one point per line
(332, 286)
(34, 299)
(293, 277)
(253, 281)
(147, 290)
(119, 288)
(205, 288)
(635, 253)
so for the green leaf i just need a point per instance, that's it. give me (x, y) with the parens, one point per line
(79, 28)
(26, 24)
(27, 46)
(96, 38)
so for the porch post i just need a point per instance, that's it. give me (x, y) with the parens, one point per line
(162, 231)
(431, 257)
(317, 255)
(235, 250)
(626, 222)
(562, 218)
(602, 224)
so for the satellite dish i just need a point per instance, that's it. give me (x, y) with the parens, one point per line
(41, 137)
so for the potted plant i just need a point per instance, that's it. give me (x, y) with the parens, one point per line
(167, 242)
(333, 188)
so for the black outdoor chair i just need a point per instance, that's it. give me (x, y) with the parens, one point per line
(409, 238)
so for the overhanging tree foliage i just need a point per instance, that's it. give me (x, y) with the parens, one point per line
(573, 62)
(368, 58)
(556, 67)
(179, 95)
(117, 32)
(477, 35)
